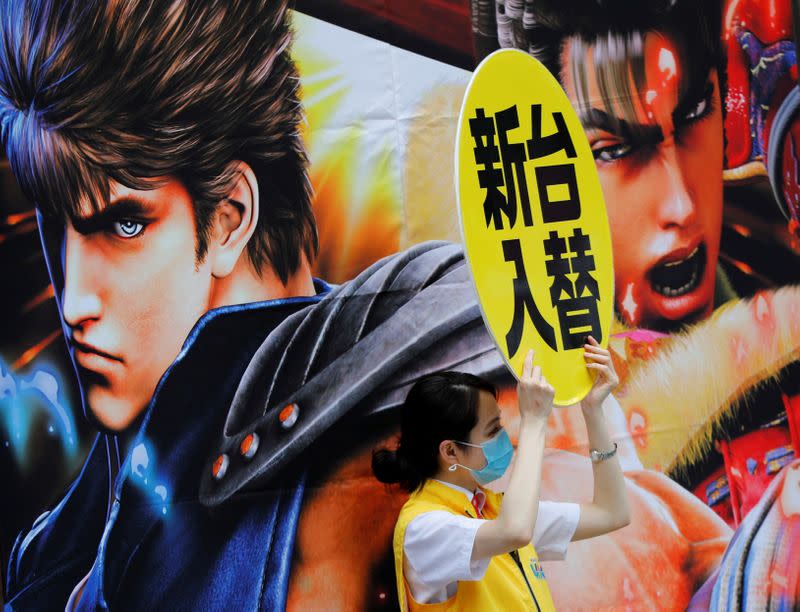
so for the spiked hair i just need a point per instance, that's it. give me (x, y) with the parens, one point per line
(94, 91)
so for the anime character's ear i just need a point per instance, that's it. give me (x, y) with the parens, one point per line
(234, 222)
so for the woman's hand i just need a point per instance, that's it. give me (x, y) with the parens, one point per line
(606, 379)
(535, 394)
(609, 509)
(513, 527)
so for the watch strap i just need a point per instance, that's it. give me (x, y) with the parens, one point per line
(600, 455)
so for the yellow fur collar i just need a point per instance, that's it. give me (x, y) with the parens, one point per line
(702, 377)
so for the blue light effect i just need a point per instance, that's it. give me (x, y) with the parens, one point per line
(142, 467)
(26, 398)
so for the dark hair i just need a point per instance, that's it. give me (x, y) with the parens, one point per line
(95, 90)
(441, 406)
(615, 29)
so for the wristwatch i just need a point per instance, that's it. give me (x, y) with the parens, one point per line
(598, 455)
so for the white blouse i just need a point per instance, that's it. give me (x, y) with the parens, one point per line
(438, 546)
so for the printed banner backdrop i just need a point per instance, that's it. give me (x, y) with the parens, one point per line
(706, 339)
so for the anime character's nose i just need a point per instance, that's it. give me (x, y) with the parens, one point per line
(677, 209)
(81, 302)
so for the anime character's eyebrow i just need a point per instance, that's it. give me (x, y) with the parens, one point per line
(642, 133)
(491, 425)
(124, 208)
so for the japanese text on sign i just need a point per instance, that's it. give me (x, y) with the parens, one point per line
(574, 291)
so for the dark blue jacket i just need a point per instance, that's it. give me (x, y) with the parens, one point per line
(177, 538)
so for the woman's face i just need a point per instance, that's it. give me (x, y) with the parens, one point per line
(487, 427)
(660, 168)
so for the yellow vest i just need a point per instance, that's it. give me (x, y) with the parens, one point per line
(503, 587)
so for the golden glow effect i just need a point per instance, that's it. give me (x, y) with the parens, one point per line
(31, 353)
(19, 217)
(354, 163)
(46, 294)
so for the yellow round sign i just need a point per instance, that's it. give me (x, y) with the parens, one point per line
(533, 220)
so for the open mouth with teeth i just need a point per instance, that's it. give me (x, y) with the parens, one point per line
(677, 278)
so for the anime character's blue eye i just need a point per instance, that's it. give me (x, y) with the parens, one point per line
(127, 228)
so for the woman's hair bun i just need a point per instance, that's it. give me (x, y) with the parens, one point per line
(390, 466)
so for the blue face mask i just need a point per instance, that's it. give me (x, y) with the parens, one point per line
(498, 452)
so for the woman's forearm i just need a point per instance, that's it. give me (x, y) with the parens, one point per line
(521, 499)
(513, 527)
(610, 493)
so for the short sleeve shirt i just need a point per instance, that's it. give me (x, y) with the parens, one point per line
(438, 546)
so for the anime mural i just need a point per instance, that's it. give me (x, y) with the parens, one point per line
(229, 245)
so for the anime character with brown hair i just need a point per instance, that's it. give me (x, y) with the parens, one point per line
(160, 144)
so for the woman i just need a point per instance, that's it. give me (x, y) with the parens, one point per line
(457, 544)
